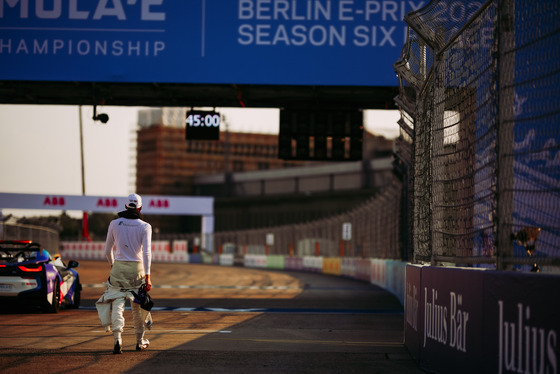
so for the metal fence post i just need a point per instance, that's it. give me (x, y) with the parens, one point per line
(506, 94)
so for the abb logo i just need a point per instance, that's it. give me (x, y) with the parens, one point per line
(54, 201)
(107, 203)
(159, 204)
(103, 202)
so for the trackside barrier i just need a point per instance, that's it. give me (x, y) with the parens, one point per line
(226, 259)
(275, 262)
(180, 249)
(255, 261)
(348, 267)
(206, 258)
(464, 320)
(161, 251)
(195, 258)
(83, 250)
(313, 264)
(363, 269)
(293, 263)
(331, 265)
(378, 272)
(388, 274)
(396, 274)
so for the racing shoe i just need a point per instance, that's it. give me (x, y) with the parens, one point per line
(144, 344)
(117, 350)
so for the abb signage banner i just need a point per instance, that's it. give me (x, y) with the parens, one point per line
(280, 42)
(152, 204)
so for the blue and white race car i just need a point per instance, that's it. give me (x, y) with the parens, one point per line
(28, 274)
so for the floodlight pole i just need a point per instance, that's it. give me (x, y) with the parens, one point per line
(228, 182)
(82, 150)
(85, 229)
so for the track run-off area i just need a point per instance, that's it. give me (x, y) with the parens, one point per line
(214, 319)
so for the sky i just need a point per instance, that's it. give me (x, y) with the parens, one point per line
(40, 146)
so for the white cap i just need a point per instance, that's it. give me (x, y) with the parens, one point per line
(134, 201)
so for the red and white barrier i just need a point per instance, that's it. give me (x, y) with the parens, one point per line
(161, 251)
(83, 250)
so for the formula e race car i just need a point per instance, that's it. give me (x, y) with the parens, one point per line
(29, 275)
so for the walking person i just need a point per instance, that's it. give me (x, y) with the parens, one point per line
(128, 251)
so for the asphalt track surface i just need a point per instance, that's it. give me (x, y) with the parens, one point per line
(211, 319)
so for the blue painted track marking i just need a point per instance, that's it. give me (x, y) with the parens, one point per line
(270, 310)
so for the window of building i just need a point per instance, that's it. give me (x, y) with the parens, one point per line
(237, 165)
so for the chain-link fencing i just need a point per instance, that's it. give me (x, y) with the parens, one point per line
(48, 238)
(370, 230)
(480, 105)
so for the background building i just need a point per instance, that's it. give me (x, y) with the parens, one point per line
(168, 164)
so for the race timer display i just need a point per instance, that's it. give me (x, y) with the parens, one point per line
(203, 125)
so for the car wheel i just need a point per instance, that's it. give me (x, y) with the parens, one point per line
(55, 306)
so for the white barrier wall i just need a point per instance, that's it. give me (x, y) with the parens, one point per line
(226, 259)
(313, 263)
(378, 271)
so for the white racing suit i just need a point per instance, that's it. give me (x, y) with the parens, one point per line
(126, 276)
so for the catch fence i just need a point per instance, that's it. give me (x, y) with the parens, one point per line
(48, 238)
(370, 230)
(480, 132)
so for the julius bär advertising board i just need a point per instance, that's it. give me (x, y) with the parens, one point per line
(466, 320)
